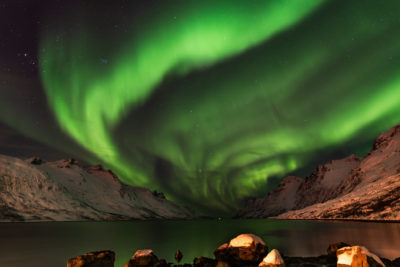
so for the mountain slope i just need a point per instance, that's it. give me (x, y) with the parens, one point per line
(32, 190)
(277, 201)
(352, 188)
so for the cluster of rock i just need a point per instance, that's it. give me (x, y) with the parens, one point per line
(351, 188)
(245, 250)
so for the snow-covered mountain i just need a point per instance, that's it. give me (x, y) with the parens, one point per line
(276, 202)
(33, 190)
(351, 188)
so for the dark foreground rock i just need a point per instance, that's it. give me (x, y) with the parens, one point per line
(104, 258)
(204, 262)
(333, 248)
(246, 250)
(142, 258)
(178, 256)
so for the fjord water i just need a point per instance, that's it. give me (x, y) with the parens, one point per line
(51, 244)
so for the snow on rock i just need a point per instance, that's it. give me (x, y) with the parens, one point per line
(320, 185)
(273, 259)
(246, 240)
(34, 190)
(295, 193)
(357, 256)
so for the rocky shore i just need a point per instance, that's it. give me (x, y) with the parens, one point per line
(245, 250)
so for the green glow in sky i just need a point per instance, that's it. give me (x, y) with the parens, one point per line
(206, 101)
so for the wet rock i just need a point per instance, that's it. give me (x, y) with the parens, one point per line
(178, 256)
(323, 260)
(331, 250)
(162, 263)
(357, 256)
(387, 262)
(243, 249)
(142, 258)
(204, 262)
(396, 262)
(223, 264)
(103, 258)
(273, 259)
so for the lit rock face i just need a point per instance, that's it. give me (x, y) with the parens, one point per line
(245, 248)
(33, 190)
(351, 188)
(142, 258)
(246, 240)
(104, 258)
(273, 259)
(357, 256)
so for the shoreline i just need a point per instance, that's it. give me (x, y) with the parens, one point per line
(245, 250)
(210, 219)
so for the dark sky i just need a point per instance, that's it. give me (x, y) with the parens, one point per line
(208, 102)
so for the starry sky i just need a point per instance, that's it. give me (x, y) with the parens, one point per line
(209, 102)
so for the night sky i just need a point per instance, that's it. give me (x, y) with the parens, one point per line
(210, 102)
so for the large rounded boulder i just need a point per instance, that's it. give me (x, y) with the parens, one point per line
(245, 248)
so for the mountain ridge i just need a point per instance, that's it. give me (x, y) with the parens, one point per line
(365, 188)
(63, 190)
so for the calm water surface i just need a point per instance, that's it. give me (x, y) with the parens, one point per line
(52, 244)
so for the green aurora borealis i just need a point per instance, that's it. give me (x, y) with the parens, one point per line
(207, 100)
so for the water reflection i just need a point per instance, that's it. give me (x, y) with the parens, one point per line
(51, 244)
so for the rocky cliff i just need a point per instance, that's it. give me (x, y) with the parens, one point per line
(33, 190)
(351, 188)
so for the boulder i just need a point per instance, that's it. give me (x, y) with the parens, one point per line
(331, 250)
(357, 256)
(178, 256)
(273, 259)
(162, 263)
(396, 262)
(142, 258)
(103, 258)
(388, 262)
(323, 260)
(204, 262)
(245, 249)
